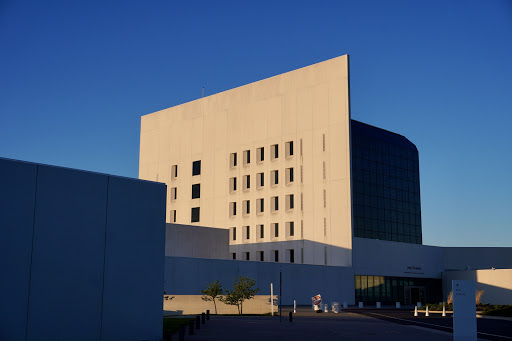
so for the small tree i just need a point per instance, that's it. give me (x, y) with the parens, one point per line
(213, 290)
(242, 290)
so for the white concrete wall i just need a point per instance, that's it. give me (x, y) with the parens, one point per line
(187, 276)
(386, 258)
(194, 304)
(497, 284)
(82, 254)
(300, 106)
(196, 241)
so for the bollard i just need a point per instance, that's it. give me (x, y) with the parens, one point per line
(208, 314)
(191, 328)
(345, 305)
(360, 304)
(182, 333)
(198, 322)
(294, 306)
(326, 308)
(444, 310)
(426, 312)
(291, 316)
(378, 305)
(203, 318)
(167, 336)
(416, 311)
(397, 305)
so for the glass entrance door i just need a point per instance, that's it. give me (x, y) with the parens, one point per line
(414, 295)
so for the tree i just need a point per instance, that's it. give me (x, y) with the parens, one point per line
(213, 290)
(242, 290)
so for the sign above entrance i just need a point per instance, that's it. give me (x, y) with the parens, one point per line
(413, 269)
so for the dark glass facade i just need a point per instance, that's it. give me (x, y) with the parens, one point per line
(388, 290)
(386, 185)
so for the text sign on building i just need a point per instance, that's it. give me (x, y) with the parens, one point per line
(464, 310)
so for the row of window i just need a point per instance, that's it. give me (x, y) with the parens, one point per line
(194, 215)
(260, 231)
(196, 169)
(260, 180)
(260, 205)
(260, 154)
(196, 192)
(274, 254)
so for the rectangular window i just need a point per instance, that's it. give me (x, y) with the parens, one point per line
(247, 182)
(174, 171)
(275, 230)
(261, 231)
(261, 256)
(291, 255)
(233, 255)
(300, 147)
(245, 255)
(196, 168)
(290, 204)
(325, 198)
(195, 215)
(289, 176)
(247, 232)
(196, 191)
(233, 160)
(233, 233)
(274, 204)
(260, 180)
(247, 157)
(274, 177)
(276, 256)
(290, 229)
(302, 202)
(246, 206)
(173, 216)
(289, 149)
(260, 154)
(323, 170)
(174, 193)
(232, 209)
(260, 206)
(323, 142)
(232, 184)
(274, 151)
(301, 174)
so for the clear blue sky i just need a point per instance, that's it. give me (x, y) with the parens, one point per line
(75, 77)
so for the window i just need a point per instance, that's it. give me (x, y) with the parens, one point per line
(232, 209)
(247, 182)
(260, 154)
(289, 149)
(233, 160)
(196, 191)
(274, 177)
(196, 168)
(274, 149)
(325, 198)
(274, 204)
(174, 171)
(290, 204)
(276, 256)
(289, 175)
(290, 229)
(174, 193)
(233, 255)
(260, 180)
(260, 231)
(260, 206)
(233, 233)
(247, 232)
(275, 230)
(245, 255)
(261, 256)
(247, 157)
(232, 184)
(323, 142)
(195, 215)
(291, 255)
(246, 207)
(173, 216)
(323, 170)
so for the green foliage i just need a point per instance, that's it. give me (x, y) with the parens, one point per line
(213, 290)
(243, 289)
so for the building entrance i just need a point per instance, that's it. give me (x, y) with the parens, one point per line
(414, 295)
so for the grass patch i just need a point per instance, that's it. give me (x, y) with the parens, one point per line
(172, 324)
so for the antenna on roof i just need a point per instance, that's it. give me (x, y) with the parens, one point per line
(203, 92)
